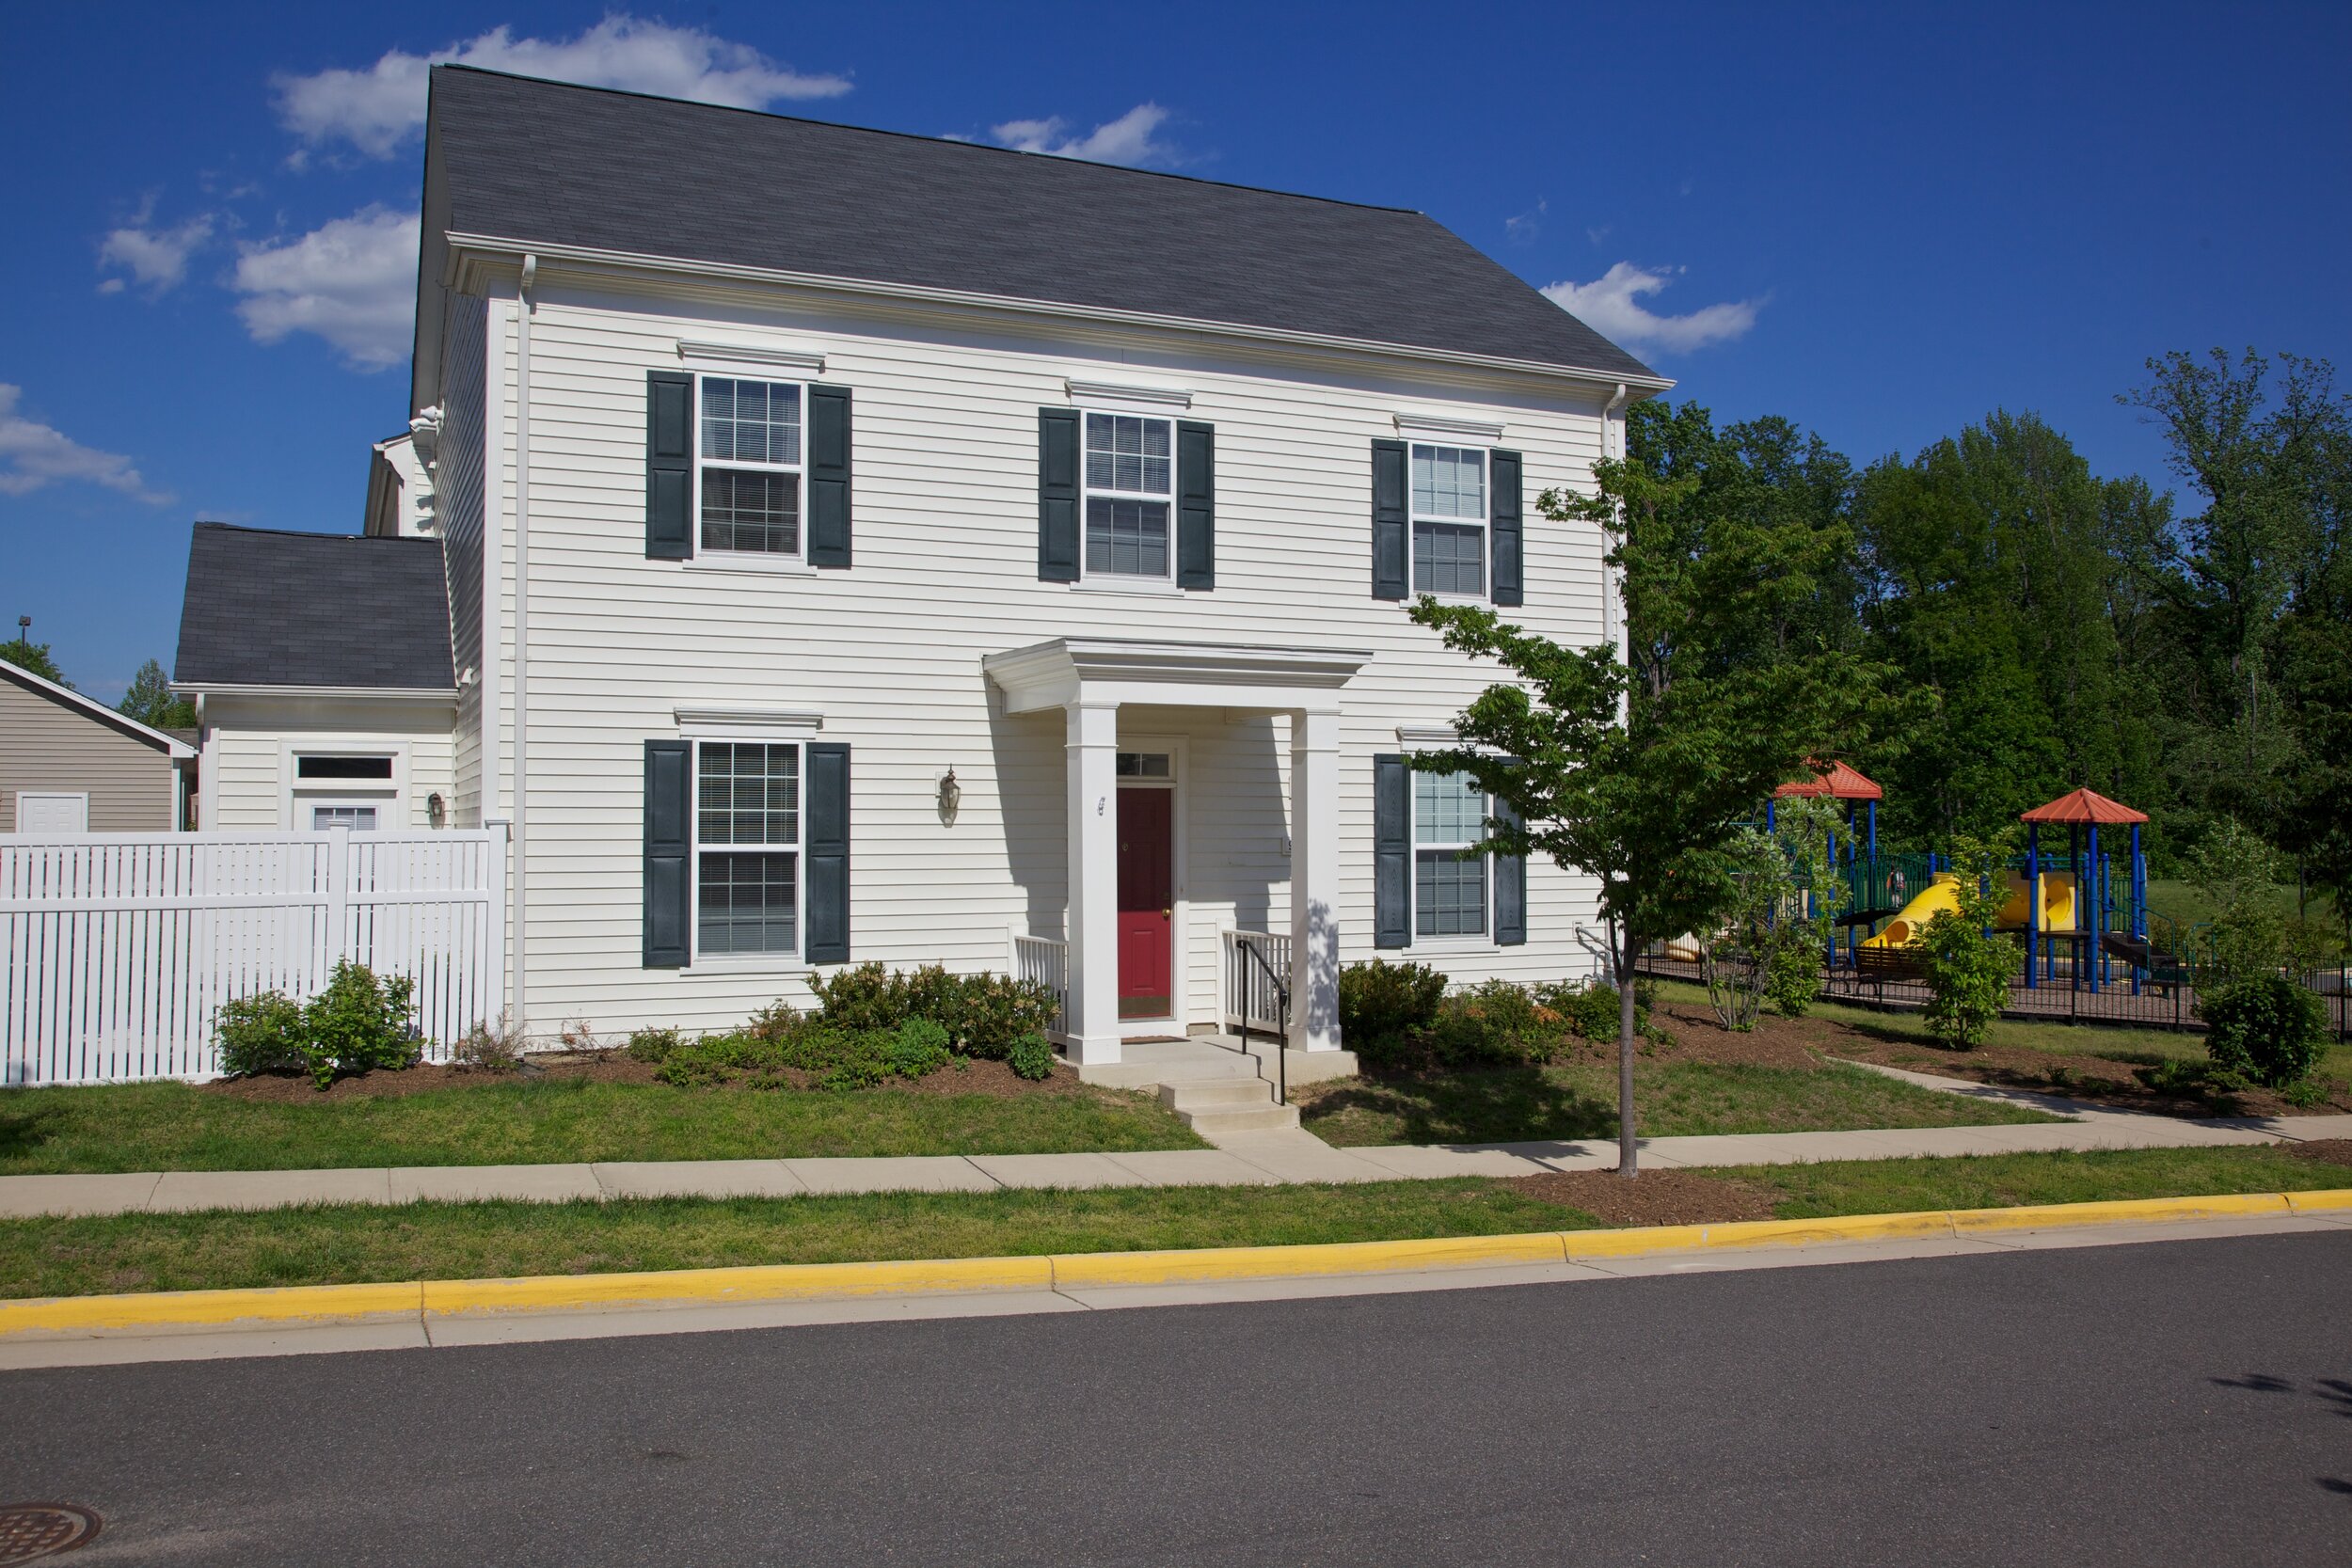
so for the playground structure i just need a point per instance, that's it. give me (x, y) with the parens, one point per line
(2082, 925)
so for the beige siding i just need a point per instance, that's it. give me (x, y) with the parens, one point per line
(889, 652)
(46, 745)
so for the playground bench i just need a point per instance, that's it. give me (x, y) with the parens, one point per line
(1881, 966)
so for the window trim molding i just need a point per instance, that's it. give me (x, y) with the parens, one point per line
(793, 561)
(1126, 397)
(295, 793)
(699, 357)
(742, 963)
(1131, 582)
(1487, 432)
(774, 725)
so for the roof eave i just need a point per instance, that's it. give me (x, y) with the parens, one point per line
(473, 258)
(379, 693)
(171, 746)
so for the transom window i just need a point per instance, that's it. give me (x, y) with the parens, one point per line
(748, 474)
(1130, 487)
(747, 843)
(1449, 888)
(1449, 520)
(1143, 765)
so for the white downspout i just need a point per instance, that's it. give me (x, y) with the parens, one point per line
(523, 623)
(1609, 580)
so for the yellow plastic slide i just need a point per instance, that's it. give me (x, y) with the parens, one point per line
(1943, 894)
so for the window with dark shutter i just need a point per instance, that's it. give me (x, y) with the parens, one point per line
(827, 896)
(669, 465)
(1389, 526)
(828, 476)
(669, 853)
(1196, 505)
(1508, 529)
(1057, 495)
(1393, 853)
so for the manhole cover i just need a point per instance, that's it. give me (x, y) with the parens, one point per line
(29, 1530)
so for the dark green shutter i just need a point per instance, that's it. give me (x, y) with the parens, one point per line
(1196, 505)
(1508, 550)
(828, 476)
(1057, 495)
(1391, 556)
(1391, 852)
(669, 853)
(1510, 889)
(669, 465)
(825, 891)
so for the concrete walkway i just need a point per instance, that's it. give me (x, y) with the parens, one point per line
(1242, 1159)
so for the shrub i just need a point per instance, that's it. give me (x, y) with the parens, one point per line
(493, 1046)
(918, 1047)
(983, 1014)
(865, 997)
(653, 1046)
(1031, 1057)
(1793, 971)
(358, 1023)
(998, 1012)
(2266, 1028)
(1380, 1001)
(262, 1032)
(1590, 1009)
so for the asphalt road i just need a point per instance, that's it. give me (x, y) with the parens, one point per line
(2176, 1403)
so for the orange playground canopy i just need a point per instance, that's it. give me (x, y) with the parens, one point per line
(2082, 805)
(1839, 781)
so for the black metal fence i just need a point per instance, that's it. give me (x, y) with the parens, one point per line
(2150, 1004)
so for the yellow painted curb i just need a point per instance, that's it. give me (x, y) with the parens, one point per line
(294, 1306)
(318, 1304)
(2135, 1210)
(449, 1298)
(1080, 1270)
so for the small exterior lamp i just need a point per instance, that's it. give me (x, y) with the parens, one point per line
(950, 795)
(436, 811)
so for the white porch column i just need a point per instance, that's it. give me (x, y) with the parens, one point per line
(1093, 929)
(1315, 881)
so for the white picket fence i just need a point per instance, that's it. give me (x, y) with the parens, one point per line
(120, 947)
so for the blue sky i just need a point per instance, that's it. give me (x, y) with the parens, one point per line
(1881, 221)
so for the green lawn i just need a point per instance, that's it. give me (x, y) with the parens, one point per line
(2186, 904)
(1671, 1098)
(131, 1127)
(444, 1241)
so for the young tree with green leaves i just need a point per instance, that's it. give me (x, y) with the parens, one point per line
(1968, 963)
(152, 702)
(33, 657)
(1637, 771)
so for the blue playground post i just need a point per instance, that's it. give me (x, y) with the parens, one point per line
(2098, 910)
(2139, 905)
(2033, 895)
(1874, 834)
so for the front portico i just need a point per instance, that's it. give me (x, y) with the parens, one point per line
(1090, 679)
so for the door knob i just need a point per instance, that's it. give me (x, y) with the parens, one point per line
(1166, 914)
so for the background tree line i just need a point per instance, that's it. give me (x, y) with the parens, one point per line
(2188, 652)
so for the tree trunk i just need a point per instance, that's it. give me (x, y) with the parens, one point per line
(1628, 1160)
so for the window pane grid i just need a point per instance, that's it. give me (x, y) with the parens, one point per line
(1450, 482)
(749, 793)
(1129, 453)
(1449, 559)
(1127, 537)
(750, 511)
(1448, 810)
(751, 422)
(747, 903)
(1451, 895)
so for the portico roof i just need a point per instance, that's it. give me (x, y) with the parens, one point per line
(1117, 670)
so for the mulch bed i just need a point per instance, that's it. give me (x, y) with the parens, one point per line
(2101, 1080)
(2331, 1151)
(994, 1079)
(1653, 1197)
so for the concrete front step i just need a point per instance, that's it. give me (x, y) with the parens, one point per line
(1253, 1118)
(1215, 1094)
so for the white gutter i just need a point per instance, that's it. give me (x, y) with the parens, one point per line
(522, 619)
(1613, 582)
(467, 250)
(384, 693)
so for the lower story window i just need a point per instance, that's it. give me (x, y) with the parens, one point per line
(747, 837)
(1450, 890)
(360, 819)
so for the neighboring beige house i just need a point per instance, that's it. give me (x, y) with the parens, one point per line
(69, 765)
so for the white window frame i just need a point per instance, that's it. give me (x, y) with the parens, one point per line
(770, 561)
(1485, 523)
(798, 849)
(1482, 941)
(310, 806)
(1133, 583)
(296, 794)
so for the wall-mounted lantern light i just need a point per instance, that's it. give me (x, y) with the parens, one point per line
(436, 811)
(950, 796)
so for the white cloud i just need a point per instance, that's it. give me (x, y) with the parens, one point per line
(1127, 139)
(1612, 305)
(156, 259)
(1525, 227)
(352, 281)
(33, 454)
(377, 109)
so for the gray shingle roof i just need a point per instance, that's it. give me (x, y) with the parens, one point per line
(265, 608)
(521, 159)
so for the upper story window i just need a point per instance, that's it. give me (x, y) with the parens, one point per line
(1130, 491)
(1449, 888)
(748, 471)
(1449, 516)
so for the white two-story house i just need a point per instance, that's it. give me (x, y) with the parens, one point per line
(855, 545)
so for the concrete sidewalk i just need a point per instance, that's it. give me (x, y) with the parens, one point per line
(1254, 1158)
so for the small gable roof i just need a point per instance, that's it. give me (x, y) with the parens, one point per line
(1839, 781)
(553, 164)
(96, 711)
(268, 608)
(2082, 805)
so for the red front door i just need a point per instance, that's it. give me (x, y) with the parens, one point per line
(1147, 902)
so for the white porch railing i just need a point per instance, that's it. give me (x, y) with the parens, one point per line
(1251, 996)
(119, 948)
(1046, 959)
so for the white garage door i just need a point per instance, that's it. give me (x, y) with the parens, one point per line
(40, 813)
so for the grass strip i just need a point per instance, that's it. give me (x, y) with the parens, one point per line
(133, 1127)
(1673, 1098)
(456, 1241)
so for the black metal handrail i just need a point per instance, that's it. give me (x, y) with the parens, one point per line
(1282, 1009)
